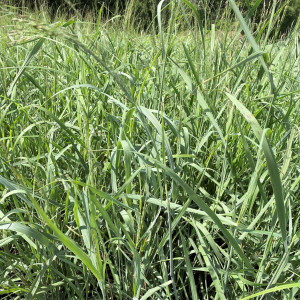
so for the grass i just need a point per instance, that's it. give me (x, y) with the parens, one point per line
(143, 166)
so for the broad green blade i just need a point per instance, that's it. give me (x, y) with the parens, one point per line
(70, 244)
(271, 163)
(189, 268)
(155, 289)
(28, 59)
(252, 42)
(274, 289)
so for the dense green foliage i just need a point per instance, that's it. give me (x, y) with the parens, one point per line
(143, 11)
(142, 166)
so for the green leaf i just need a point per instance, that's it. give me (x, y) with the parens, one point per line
(271, 164)
(252, 42)
(28, 59)
(274, 289)
(155, 289)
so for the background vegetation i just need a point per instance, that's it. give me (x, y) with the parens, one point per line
(149, 165)
(143, 12)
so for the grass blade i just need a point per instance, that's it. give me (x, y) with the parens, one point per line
(28, 59)
(271, 163)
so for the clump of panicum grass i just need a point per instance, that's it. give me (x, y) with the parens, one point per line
(138, 166)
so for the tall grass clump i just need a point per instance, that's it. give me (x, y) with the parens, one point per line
(149, 166)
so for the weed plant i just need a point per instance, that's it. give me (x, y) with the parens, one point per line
(149, 166)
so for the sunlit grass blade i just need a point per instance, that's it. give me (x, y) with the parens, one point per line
(271, 163)
(66, 240)
(252, 42)
(189, 269)
(274, 289)
(29, 57)
(155, 289)
(29, 232)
